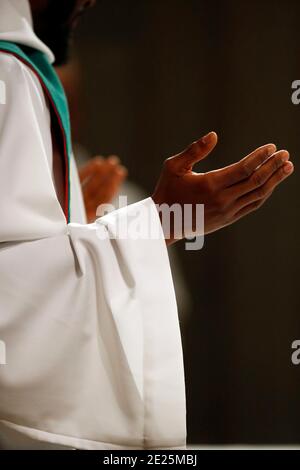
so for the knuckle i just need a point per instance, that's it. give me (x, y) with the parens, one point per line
(279, 163)
(188, 150)
(199, 144)
(258, 179)
(169, 163)
(276, 165)
(262, 158)
(246, 170)
(193, 149)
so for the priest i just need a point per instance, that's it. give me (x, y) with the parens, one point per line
(88, 317)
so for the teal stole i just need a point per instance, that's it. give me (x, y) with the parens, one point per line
(40, 65)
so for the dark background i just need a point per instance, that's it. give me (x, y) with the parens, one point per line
(156, 75)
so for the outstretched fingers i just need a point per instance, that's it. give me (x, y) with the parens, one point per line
(243, 169)
(259, 177)
(254, 199)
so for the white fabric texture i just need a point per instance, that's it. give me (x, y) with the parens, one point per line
(94, 357)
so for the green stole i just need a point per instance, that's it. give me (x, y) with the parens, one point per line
(40, 65)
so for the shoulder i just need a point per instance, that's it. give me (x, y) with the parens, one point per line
(17, 76)
(19, 85)
(10, 66)
(10, 74)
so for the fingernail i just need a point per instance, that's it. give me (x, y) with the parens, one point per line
(285, 157)
(288, 168)
(207, 137)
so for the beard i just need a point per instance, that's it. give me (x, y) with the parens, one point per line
(53, 26)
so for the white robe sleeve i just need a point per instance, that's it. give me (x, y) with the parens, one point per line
(93, 347)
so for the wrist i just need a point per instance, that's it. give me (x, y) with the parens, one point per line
(167, 228)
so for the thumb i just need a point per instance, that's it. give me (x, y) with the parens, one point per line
(196, 152)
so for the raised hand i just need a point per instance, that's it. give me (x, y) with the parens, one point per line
(100, 180)
(227, 194)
